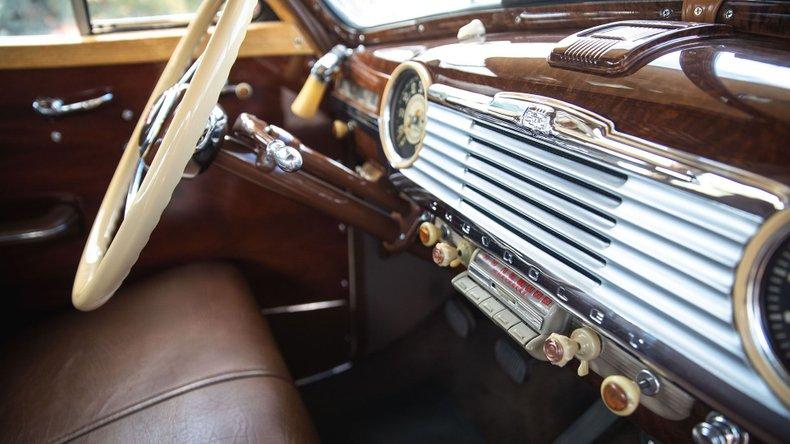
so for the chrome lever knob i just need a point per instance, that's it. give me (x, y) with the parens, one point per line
(286, 157)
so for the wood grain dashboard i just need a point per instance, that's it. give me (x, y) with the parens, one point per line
(720, 97)
(712, 97)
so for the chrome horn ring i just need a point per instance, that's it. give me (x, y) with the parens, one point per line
(206, 148)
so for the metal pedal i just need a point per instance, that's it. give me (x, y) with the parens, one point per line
(459, 317)
(511, 360)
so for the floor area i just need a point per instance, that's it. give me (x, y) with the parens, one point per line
(433, 386)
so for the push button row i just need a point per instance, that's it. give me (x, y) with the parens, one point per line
(494, 309)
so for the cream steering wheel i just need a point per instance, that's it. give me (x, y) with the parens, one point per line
(121, 229)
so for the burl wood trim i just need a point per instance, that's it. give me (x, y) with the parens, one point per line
(703, 11)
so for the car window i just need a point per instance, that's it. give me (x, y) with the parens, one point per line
(36, 17)
(370, 13)
(115, 9)
(42, 17)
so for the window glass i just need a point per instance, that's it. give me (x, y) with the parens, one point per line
(31, 17)
(116, 9)
(369, 13)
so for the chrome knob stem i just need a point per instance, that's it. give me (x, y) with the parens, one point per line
(717, 429)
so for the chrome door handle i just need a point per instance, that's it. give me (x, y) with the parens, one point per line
(53, 106)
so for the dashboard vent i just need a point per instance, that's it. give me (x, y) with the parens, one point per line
(651, 252)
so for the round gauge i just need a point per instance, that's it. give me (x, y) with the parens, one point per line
(773, 304)
(404, 114)
(762, 303)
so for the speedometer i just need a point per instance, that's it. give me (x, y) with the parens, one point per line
(404, 114)
(774, 304)
(762, 304)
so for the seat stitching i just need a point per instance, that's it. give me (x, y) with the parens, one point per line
(165, 395)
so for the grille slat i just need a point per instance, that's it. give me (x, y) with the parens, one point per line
(648, 250)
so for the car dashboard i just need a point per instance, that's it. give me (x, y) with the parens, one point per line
(636, 221)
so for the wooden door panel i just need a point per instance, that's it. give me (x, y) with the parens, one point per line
(294, 254)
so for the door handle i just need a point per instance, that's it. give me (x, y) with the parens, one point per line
(61, 220)
(54, 106)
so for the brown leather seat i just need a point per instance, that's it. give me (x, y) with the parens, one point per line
(183, 357)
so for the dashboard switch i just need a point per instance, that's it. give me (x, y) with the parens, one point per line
(589, 348)
(583, 344)
(445, 255)
(620, 395)
(429, 234)
(560, 349)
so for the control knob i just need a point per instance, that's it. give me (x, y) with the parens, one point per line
(445, 255)
(429, 234)
(583, 344)
(716, 429)
(620, 395)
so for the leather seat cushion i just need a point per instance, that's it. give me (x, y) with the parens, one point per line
(185, 356)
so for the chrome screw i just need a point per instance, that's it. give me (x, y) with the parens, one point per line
(648, 382)
(56, 136)
(728, 14)
(518, 19)
(698, 10)
(666, 12)
(420, 27)
(127, 115)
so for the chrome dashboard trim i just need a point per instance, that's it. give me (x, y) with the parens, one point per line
(670, 364)
(748, 318)
(596, 137)
(575, 132)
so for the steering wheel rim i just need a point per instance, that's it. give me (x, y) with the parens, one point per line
(114, 245)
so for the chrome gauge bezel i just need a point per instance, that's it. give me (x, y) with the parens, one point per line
(385, 112)
(746, 303)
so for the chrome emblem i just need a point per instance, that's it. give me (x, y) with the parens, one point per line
(537, 118)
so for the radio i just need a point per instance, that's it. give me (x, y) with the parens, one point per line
(527, 313)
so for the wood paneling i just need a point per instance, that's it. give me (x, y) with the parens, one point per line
(688, 98)
(292, 254)
(263, 39)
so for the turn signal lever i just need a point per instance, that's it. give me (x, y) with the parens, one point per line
(272, 152)
(306, 103)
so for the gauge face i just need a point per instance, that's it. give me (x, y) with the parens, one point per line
(407, 122)
(404, 114)
(773, 304)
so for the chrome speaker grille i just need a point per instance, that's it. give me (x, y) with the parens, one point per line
(657, 255)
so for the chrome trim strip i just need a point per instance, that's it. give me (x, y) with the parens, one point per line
(702, 382)
(544, 119)
(746, 304)
(81, 16)
(301, 308)
(323, 375)
(444, 182)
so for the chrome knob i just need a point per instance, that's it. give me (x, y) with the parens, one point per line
(716, 429)
(288, 158)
